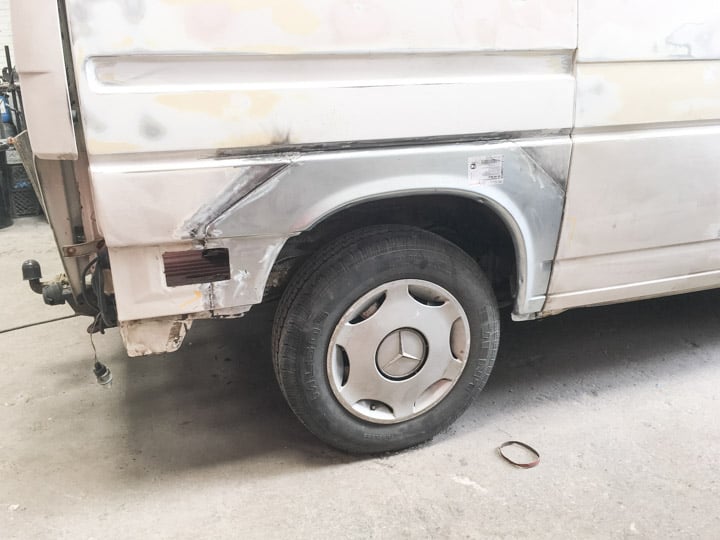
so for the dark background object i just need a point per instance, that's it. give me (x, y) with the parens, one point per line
(17, 197)
(196, 266)
(22, 195)
(5, 202)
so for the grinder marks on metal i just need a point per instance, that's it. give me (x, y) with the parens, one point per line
(249, 178)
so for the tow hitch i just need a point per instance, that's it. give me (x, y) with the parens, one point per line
(58, 292)
(95, 300)
(54, 292)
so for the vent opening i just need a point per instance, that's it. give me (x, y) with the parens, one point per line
(196, 266)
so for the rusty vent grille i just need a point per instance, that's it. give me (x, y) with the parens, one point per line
(196, 266)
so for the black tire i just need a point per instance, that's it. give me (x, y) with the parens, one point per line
(328, 284)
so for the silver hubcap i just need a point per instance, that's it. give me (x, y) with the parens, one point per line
(398, 351)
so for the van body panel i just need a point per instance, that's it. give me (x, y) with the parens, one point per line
(38, 48)
(311, 187)
(184, 105)
(642, 215)
(256, 101)
(166, 77)
(648, 30)
(588, 127)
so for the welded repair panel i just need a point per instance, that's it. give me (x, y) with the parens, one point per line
(146, 209)
(165, 76)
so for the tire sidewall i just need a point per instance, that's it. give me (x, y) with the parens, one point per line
(343, 282)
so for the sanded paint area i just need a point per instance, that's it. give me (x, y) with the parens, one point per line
(621, 402)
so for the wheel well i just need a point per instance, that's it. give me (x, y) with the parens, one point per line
(472, 226)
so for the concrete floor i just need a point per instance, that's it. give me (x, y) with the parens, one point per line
(622, 402)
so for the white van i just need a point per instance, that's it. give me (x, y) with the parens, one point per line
(393, 171)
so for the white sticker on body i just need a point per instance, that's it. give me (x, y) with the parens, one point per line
(486, 170)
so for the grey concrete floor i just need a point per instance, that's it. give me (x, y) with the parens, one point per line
(622, 403)
(27, 238)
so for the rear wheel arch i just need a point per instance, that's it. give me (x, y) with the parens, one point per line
(481, 227)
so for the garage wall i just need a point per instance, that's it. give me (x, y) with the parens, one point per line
(5, 30)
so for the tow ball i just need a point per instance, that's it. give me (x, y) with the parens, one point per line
(54, 293)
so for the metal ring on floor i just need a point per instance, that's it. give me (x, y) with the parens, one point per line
(526, 465)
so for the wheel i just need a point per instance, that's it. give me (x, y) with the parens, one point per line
(382, 339)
